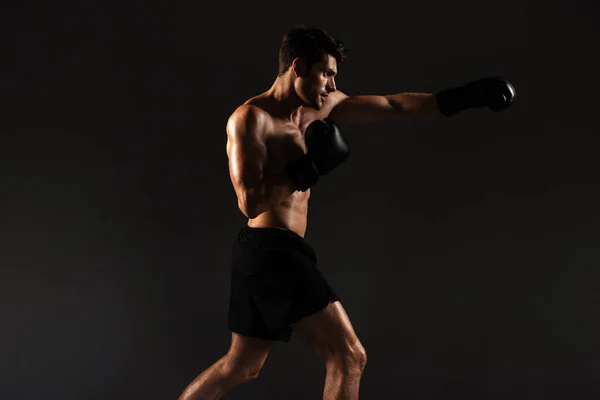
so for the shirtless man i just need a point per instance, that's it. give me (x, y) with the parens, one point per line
(281, 143)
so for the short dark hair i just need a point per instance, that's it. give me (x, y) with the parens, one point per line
(311, 44)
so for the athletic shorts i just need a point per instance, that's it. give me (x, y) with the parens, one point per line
(274, 283)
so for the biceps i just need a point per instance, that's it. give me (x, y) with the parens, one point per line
(362, 109)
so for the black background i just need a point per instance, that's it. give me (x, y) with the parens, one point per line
(466, 249)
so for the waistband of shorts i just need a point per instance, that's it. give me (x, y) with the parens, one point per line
(268, 231)
(277, 234)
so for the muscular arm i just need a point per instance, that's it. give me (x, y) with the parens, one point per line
(374, 108)
(247, 151)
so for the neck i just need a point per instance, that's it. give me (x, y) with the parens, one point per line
(283, 95)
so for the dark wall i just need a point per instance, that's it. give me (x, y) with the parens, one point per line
(466, 249)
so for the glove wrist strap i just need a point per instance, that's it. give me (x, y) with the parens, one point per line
(303, 173)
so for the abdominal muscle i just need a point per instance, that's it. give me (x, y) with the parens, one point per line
(291, 214)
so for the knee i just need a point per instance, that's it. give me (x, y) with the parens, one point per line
(360, 357)
(353, 358)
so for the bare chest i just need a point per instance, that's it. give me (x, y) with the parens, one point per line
(285, 143)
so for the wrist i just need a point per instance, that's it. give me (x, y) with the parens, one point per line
(303, 172)
(451, 101)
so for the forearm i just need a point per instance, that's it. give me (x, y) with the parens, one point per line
(407, 106)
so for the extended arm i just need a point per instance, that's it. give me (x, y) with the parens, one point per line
(494, 93)
(394, 107)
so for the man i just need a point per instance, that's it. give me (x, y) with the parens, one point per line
(281, 143)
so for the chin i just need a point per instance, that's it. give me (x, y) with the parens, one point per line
(318, 104)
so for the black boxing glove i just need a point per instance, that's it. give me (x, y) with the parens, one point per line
(326, 149)
(493, 92)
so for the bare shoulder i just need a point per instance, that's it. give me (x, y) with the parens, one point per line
(333, 100)
(246, 119)
(337, 97)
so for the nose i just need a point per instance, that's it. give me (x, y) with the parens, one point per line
(330, 85)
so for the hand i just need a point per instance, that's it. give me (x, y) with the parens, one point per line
(326, 149)
(495, 93)
(325, 145)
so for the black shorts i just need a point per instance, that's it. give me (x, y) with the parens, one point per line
(274, 282)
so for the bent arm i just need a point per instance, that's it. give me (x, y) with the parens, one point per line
(379, 108)
(247, 151)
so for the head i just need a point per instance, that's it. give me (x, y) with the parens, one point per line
(311, 56)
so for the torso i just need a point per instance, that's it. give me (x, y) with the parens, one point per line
(285, 143)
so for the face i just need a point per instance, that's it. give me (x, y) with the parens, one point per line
(314, 87)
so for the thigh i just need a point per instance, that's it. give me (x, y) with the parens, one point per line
(330, 333)
(248, 353)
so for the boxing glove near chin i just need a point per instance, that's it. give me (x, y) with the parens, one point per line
(326, 150)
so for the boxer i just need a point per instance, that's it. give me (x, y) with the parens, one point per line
(280, 144)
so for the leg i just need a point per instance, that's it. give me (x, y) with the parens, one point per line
(331, 335)
(242, 363)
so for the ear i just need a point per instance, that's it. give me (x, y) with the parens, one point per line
(298, 67)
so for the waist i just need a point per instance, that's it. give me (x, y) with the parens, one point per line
(285, 220)
(258, 248)
(273, 231)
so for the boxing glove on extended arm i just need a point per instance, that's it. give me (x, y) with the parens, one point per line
(493, 92)
(326, 149)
